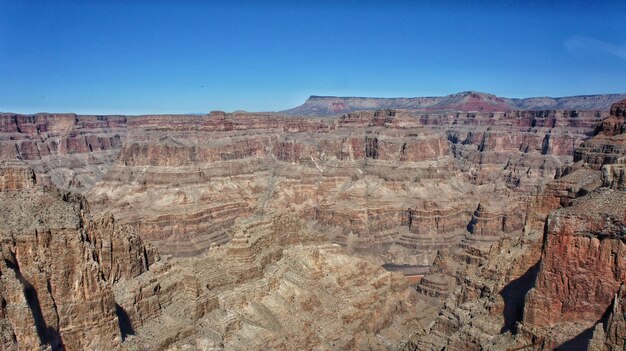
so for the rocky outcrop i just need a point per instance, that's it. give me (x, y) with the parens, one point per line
(582, 266)
(16, 175)
(609, 145)
(568, 298)
(274, 285)
(57, 268)
(611, 334)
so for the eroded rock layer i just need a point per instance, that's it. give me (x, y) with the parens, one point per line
(58, 265)
(456, 201)
(562, 289)
(262, 290)
(392, 186)
(69, 151)
(72, 281)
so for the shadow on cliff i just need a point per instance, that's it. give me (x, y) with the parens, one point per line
(126, 327)
(47, 335)
(581, 341)
(514, 295)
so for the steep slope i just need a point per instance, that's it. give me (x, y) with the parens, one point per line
(72, 152)
(569, 297)
(72, 281)
(456, 201)
(58, 265)
(392, 186)
(274, 286)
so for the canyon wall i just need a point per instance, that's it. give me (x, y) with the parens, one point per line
(58, 265)
(560, 285)
(458, 200)
(392, 186)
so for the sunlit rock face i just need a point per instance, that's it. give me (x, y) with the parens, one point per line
(560, 285)
(394, 186)
(247, 211)
(58, 266)
(69, 151)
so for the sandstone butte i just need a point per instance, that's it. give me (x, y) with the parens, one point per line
(386, 229)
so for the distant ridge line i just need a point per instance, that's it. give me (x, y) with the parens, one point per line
(466, 101)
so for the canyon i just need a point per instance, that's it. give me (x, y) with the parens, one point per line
(424, 228)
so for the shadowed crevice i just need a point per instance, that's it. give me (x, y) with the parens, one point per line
(514, 295)
(126, 327)
(581, 341)
(46, 334)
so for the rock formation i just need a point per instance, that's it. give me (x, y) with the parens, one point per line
(496, 229)
(392, 186)
(74, 281)
(69, 151)
(465, 101)
(259, 291)
(58, 265)
(562, 289)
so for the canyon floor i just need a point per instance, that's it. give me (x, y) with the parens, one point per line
(386, 229)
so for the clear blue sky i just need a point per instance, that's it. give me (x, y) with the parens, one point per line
(196, 56)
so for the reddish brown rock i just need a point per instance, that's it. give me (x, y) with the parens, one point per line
(582, 265)
(577, 282)
(57, 268)
(15, 175)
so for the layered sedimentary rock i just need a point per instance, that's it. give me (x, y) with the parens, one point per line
(464, 101)
(570, 297)
(391, 185)
(57, 268)
(394, 186)
(261, 291)
(69, 151)
(455, 200)
(582, 264)
(582, 261)
(73, 281)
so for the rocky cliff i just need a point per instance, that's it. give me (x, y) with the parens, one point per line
(394, 186)
(391, 185)
(58, 266)
(69, 151)
(454, 201)
(560, 289)
(261, 291)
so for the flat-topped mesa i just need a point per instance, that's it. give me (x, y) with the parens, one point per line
(466, 101)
